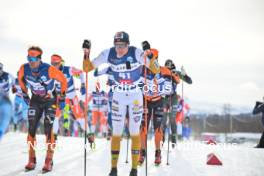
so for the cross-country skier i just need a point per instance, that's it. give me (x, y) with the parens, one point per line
(259, 108)
(6, 82)
(110, 83)
(170, 100)
(20, 107)
(39, 77)
(99, 111)
(72, 101)
(126, 64)
(153, 96)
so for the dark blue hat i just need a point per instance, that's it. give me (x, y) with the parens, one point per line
(121, 37)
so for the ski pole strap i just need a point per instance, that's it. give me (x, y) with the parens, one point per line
(87, 65)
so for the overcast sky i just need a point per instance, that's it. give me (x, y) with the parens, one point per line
(220, 43)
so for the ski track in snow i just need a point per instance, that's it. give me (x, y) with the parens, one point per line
(69, 159)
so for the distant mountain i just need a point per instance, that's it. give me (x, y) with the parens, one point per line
(200, 107)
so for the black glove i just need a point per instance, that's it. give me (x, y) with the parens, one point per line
(62, 101)
(14, 89)
(96, 72)
(86, 44)
(145, 45)
(258, 103)
(26, 98)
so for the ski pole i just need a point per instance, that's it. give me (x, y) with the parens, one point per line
(86, 45)
(169, 124)
(146, 47)
(127, 149)
(168, 127)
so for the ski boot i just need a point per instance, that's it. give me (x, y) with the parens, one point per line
(31, 164)
(113, 172)
(173, 140)
(133, 172)
(32, 156)
(142, 157)
(109, 134)
(157, 157)
(48, 165)
(48, 161)
(90, 137)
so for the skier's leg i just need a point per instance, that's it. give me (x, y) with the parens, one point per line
(5, 115)
(172, 118)
(157, 121)
(261, 141)
(165, 117)
(118, 119)
(103, 123)
(75, 128)
(17, 111)
(143, 134)
(95, 116)
(66, 116)
(135, 117)
(34, 115)
(50, 111)
(24, 112)
(56, 121)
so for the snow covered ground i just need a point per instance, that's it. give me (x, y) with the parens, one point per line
(188, 159)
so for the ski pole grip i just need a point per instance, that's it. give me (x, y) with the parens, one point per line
(86, 44)
(145, 45)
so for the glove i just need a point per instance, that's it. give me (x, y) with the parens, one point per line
(96, 72)
(48, 95)
(83, 90)
(14, 89)
(62, 101)
(86, 44)
(145, 45)
(26, 98)
(183, 72)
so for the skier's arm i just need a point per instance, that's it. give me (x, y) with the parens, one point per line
(168, 73)
(149, 61)
(90, 97)
(12, 83)
(58, 75)
(12, 80)
(21, 79)
(101, 72)
(101, 59)
(183, 75)
(185, 78)
(259, 107)
(77, 73)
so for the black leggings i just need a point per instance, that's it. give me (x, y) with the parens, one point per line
(38, 106)
(155, 110)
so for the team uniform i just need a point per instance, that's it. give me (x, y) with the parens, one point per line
(185, 113)
(110, 82)
(158, 87)
(72, 101)
(43, 100)
(126, 64)
(99, 111)
(6, 82)
(170, 104)
(127, 76)
(20, 106)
